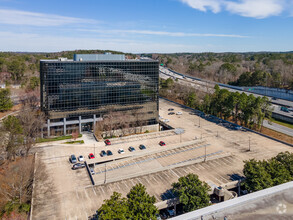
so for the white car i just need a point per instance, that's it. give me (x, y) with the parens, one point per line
(81, 158)
(121, 151)
(166, 120)
(178, 113)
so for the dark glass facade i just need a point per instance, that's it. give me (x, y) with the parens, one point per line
(82, 88)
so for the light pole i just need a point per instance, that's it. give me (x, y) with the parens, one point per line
(105, 173)
(205, 153)
(249, 143)
(198, 121)
(94, 150)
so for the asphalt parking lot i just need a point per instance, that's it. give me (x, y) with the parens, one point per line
(68, 194)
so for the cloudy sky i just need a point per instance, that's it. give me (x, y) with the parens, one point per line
(147, 25)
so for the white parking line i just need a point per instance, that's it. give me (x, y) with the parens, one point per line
(94, 190)
(174, 173)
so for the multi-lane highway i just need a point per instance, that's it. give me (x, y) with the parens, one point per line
(208, 86)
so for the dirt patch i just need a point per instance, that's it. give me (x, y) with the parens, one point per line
(277, 135)
(14, 109)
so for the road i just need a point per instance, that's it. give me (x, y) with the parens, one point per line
(279, 128)
(205, 86)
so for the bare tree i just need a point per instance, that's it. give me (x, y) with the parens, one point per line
(75, 134)
(16, 182)
(32, 122)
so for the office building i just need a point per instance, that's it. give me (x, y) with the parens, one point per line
(77, 93)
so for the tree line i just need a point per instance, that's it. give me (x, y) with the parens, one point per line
(138, 204)
(262, 174)
(273, 69)
(243, 109)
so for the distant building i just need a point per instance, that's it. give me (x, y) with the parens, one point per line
(79, 92)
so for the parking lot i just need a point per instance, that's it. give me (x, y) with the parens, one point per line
(69, 194)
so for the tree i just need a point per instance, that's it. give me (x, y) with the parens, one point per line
(114, 208)
(192, 192)
(12, 136)
(34, 82)
(141, 204)
(278, 172)
(32, 122)
(286, 159)
(192, 100)
(75, 135)
(16, 68)
(257, 177)
(5, 101)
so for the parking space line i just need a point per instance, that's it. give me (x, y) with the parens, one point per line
(94, 191)
(174, 173)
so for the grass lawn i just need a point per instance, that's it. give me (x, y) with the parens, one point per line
(74, 142)
(286, 124)
(42, 140)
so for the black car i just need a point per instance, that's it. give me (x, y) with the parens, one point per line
(109, 153)
(78, 166)
(142, 147)
(131, 149)
(103, 153)
(171, 113)
(171, 109)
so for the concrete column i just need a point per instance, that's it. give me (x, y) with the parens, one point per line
(79, 118)
(94, 125)
(48, 127)
(64, 126)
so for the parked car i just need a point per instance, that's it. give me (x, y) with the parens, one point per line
(163, 214)
(158, 217)
(171, 113)
(171, 109)
(166, 120)
(131, 149)
(107, 142)
(109, 153)
(162, 143)
(73, 158)
(91, 156)
(81, 158)
(142, 147)
(179, 113)
(103, 153)
(121, 151)
(78, 166)
(92, 171)
(171, 212)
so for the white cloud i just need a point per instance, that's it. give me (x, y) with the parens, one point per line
(204, 5)
(256, 8)
(246, 8)
(161, 33)
(17, 17)
(37, 43)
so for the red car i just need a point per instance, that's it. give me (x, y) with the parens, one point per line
(91, 156)
(162, 143)
(107, 142)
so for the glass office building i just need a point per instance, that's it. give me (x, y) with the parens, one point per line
(81, 91)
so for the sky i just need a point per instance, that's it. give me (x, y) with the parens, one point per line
(146, 26)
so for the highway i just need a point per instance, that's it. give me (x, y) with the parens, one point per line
(208, 87)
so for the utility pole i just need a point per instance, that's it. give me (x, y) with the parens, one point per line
(105, 173)
(205, 153)
(94, 150)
